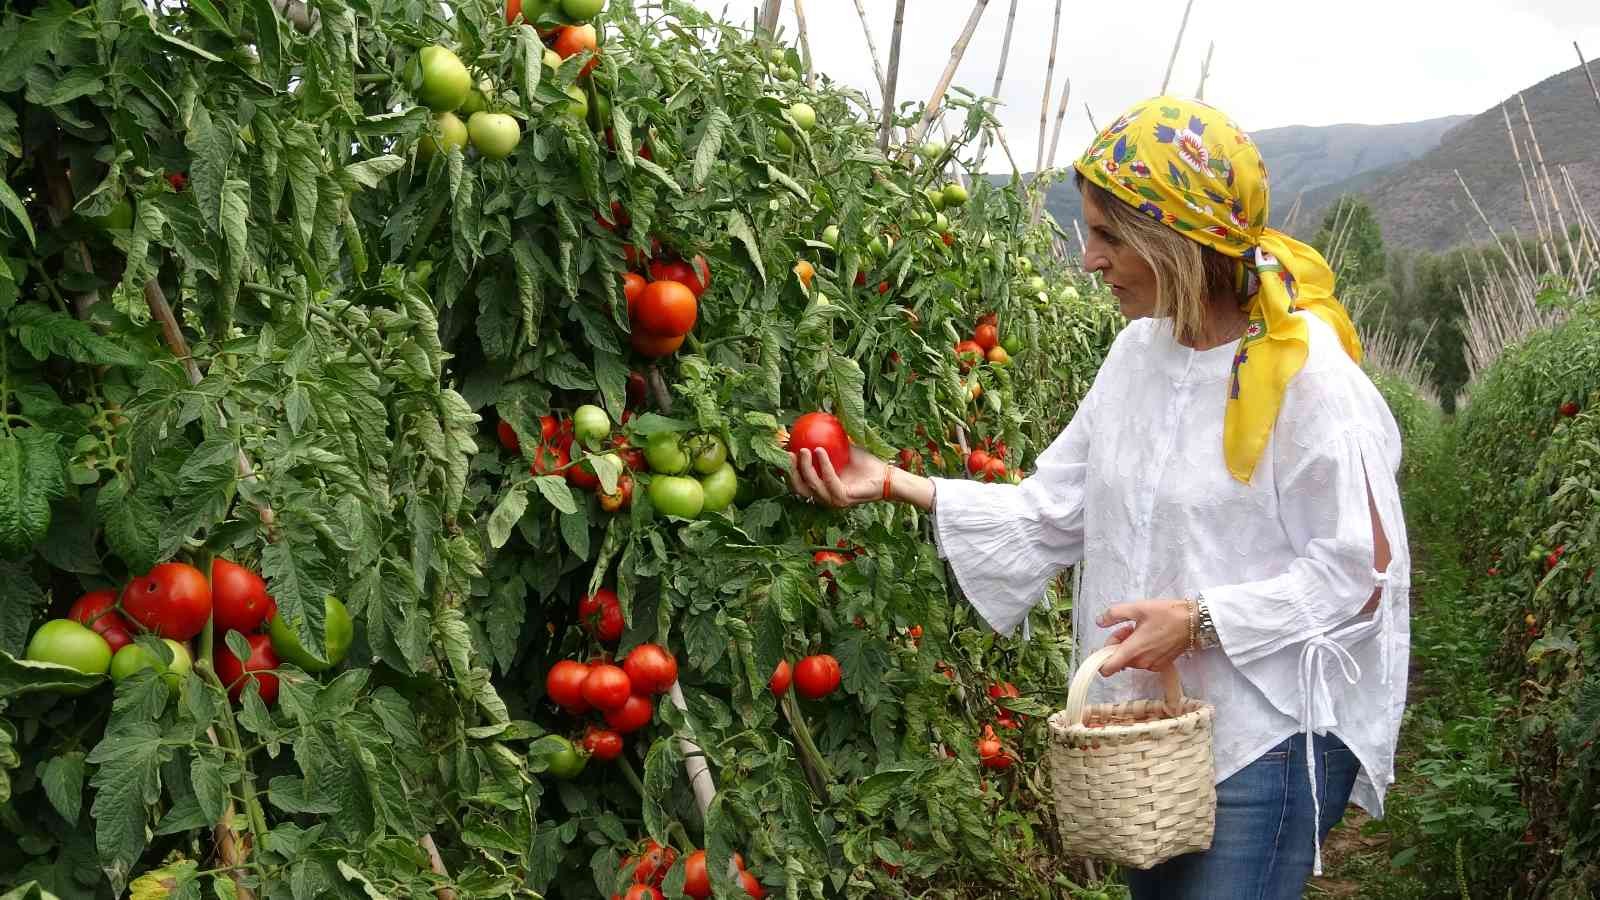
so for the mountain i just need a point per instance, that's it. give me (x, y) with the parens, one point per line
(1304, 158)
(1420, 205)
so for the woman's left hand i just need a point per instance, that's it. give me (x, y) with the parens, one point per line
(1157, 635)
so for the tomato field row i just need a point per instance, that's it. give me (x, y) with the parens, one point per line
(489, 327)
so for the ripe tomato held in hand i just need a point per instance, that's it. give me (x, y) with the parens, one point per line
(233, 675)
(817, 676)
(564, 685)
(173, 600)
(820, 431)
(778, 684)
(634, 714)
(607, 688)
(651, 669)
(602, 743)
(666, 309)
(97, 609)
(239, 598)
(601, 613)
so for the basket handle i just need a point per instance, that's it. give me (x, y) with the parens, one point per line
(1091, 667)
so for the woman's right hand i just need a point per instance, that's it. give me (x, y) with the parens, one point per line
(812, 476)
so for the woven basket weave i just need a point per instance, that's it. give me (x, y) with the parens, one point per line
(1133, 782)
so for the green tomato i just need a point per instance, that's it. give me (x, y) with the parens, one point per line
(931, 150)
(677, 495)
(803, 115)
(954, 195)
(452, 135)
(71, 644)
(566, 762)
(552, 59)
(590, 425)
(783, 142)
(494, 134)
(422, 273)
(1024, 265)
(710, 452)
(439, 79)
(133, 658)
(582, 10)
(823, 301)
(720, 487)
(120, 218)
(941, 223)
(1068, 293)
(602, 107)
(787, 73)
(935, 196)
(776, 56)
(830, 236)
(478, 99)
(337, 634)
(1013, 344)
(578, 107)
(664, 453)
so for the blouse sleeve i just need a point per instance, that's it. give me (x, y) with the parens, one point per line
(1326, 471)
(1004, 542)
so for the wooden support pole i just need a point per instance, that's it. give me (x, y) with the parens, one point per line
(1205, 72)
(805, 43)
(872, 49)
(768, 23)
(999, 77)
(956, 52)
(1044, 102)
(893, 79)
(1183, 26)
(1587, 74)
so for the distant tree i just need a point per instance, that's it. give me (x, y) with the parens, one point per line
(1352, 241)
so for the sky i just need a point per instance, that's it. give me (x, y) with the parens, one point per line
(1288, 62)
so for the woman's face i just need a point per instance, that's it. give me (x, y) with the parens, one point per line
(1130, 278)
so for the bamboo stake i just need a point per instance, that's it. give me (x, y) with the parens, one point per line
(805, 43)
(894, 76)
(1061, 115)
(1587, 74)
(999, 76)
(872, 49)
(1294, 212)
(1044, 102)
(1543, 172)
(1205, 72)
(1090, 113)
(1083, 250)
(1527, 188)
(956, 52)
(436, 863)
(1182, 27)
(769, 16)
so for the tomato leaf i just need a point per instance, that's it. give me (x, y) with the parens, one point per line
(739, 227)
(505, 515)
(532, 63)
(555, 491)
(126, 782)
(62, 777)
(709, 146)
(13, 204)
(575, 530)
(31, 475)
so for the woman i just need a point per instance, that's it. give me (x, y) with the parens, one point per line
(1228, 487)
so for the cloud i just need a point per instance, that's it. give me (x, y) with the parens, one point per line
(1291, 62)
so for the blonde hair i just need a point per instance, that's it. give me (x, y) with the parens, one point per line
(1188, 273)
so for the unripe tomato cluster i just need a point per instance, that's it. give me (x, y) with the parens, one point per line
(173, 601)
(673, 491)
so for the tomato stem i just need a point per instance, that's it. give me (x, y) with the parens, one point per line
(631, 776)
(817, 770)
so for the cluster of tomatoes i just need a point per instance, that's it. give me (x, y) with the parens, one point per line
(992, 752)
(663, 308)
(813, 677)
(988, 460)
(650, 870)
(983, 345)
(173, 602)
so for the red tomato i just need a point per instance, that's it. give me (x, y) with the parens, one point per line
(178, 180)
(681, 272)
(977, 461)
(98, 610)
(607, 688)
(238, 598)
(507, 436)
(968, 354)
(636, 384)
(994, 469)
(949, 241)
(987, 337)
(654, 345)
(666, 309)
(643, 892)
(549, 427)
(602, 743)
(883, 287)
(696, 880)
(751, 886)
(582, 476)
(702, 273)
(653, 864)
(622, 499)
(619, 217)
(549, 460)
(1002, 689)
(778, 684)
(601, 613)
(513, 11)
(817, 676)
(820, 431)
(651, 669)
(262, 658)
(574, 39)
(1569, 409)
(633, 714)
(173, 600)
(828, 558)
(632, 288)
(564, 685)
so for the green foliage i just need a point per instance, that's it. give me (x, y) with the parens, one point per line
(295, 356)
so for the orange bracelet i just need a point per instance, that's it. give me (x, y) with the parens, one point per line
(887, 472)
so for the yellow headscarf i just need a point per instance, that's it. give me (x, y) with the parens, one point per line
(1186, 165)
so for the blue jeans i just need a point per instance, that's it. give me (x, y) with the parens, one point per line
(1262, 849)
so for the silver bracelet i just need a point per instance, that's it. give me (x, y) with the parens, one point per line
(1207, 631)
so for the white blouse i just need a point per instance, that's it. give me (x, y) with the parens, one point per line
(1136, 491)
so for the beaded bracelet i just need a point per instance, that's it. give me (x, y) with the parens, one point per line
(887, 472)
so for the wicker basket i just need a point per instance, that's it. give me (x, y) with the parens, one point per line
(1133, 782)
